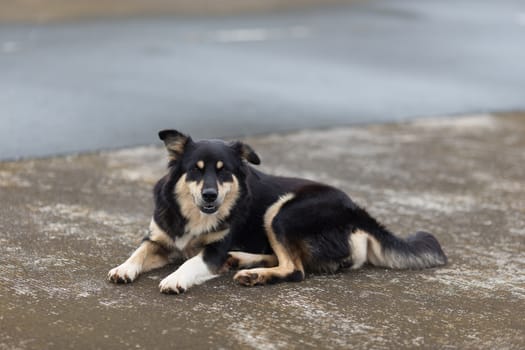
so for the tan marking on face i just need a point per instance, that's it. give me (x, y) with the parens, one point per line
(188, 195)
(200, 164)
(219, 165)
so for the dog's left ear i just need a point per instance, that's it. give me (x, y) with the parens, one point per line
(175, 142)
(246, 152)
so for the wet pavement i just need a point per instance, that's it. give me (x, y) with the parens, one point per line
(100, 84)
(64, 222)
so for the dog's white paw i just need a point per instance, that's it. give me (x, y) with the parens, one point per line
(125, 273)
(193, 271)
(175, 283)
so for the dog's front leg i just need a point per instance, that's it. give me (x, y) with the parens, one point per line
(199, 269)
(154, 252)
(193, 271)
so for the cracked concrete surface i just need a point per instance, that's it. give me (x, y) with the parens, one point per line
(64, 222)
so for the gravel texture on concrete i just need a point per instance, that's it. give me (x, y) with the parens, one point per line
(64, 222)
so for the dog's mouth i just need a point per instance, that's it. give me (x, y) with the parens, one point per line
(209, 208)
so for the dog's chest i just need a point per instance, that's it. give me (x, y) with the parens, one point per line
(201, 229)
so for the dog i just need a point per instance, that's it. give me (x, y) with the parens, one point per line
(222, 213)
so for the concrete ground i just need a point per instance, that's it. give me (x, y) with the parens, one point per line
(64, 222)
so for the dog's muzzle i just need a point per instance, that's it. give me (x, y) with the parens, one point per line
(209, 197)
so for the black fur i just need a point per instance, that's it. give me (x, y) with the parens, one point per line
(213, 202)
(319, 217)
(167, 212)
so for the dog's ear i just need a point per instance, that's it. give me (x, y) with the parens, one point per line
(246, 152)
(175, 142)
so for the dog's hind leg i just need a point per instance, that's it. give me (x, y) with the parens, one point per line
(151, 254)
(289, 266)
(242, 260)
(358, 243)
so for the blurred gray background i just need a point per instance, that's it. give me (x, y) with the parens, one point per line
(84, 76)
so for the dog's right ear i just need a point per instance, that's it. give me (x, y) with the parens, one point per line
(175, 142)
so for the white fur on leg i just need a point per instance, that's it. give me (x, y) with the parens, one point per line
(131, 268)
(145, 258)
(125, 273)
(193, 271)
(359, 246)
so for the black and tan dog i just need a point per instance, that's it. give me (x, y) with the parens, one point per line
(221, 213)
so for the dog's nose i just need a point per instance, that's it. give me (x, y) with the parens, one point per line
(209, 195)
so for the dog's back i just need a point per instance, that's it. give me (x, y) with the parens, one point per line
(317, 227)
(224, 213)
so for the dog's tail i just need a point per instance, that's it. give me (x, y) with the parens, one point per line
(371, 242)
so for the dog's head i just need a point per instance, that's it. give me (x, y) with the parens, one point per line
(210, 170)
